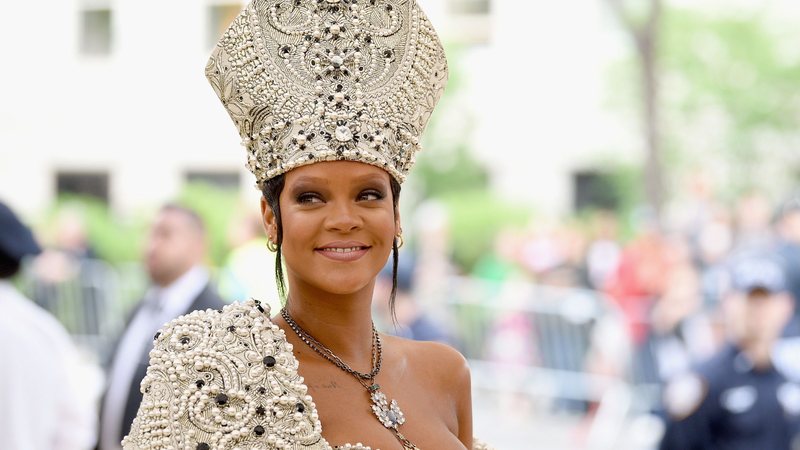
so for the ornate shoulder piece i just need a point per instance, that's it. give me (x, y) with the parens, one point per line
(224, 380)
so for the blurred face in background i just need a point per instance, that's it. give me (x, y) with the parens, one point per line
(789, 226)
(758, 317)
(176, 243)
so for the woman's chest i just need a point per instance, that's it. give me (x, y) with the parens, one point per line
(349, 414)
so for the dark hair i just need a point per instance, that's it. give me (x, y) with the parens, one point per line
(191, 215)
(272, 189)
(8, 266)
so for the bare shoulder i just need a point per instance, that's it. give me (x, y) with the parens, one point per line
(439, 362)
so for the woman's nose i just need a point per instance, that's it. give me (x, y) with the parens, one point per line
(343, 217)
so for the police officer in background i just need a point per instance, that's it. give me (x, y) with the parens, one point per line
(740, 398)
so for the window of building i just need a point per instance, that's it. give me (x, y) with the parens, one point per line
(468, 7)
(90, 184)
(223, 180)
(96, 31)
(219, 18)
(595, 190)
(470, 21)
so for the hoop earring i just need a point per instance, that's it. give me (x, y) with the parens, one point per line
(398, 240)
(271, 246)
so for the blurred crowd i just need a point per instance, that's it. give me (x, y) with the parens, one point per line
(666, 296)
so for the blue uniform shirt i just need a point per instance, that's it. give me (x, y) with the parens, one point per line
(727, 404)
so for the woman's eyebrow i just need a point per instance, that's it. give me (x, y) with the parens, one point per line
(310, 179)
(371, 178)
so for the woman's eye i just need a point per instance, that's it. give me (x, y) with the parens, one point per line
(309, 197)
(370, 195)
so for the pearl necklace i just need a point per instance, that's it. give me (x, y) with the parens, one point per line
(388, 413)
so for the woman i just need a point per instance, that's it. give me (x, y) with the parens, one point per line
(330, 97)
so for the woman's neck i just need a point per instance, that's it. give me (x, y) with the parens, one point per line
(341, 322)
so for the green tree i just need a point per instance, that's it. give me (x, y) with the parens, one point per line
(734, 84)
(642, 21)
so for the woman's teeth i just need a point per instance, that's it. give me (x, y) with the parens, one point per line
(342, 250)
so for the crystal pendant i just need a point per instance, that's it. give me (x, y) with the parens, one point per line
(389, 414)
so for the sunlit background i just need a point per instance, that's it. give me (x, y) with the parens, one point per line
(590, 164)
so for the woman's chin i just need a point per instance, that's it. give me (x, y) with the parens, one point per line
(343, 286)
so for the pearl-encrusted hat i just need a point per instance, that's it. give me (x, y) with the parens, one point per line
(319, 80)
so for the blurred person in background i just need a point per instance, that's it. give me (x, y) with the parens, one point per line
(68, 259)
(413, 319)
(641, 275)
(604, 251)
(753, 216)
(249, 271)
(740, 398)
(680, 333)
(180, 284)
(788, 228)
(41, 403)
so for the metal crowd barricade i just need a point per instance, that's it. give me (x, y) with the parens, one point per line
(523, 339)
(91, 300)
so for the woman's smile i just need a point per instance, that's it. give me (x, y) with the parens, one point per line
(343, 251)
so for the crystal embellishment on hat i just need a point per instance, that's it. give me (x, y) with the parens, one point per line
(319, 80)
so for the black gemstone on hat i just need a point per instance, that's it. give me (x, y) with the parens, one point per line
(184, 340)
(261, 411)
(259, 430)
(200, 384)
(231, 328)
(300, 407)
(203, 446)
(262, 391)
(157, 335)
(269, 361)
(222, 399)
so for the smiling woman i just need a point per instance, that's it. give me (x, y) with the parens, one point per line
(330, 98)
(339, 210)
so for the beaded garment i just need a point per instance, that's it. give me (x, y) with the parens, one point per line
(319, 80)
(226, 380)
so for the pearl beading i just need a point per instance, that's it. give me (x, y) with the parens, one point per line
(226, 380)
(318, 80)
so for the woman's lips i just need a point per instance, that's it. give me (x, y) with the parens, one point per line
(349, 252)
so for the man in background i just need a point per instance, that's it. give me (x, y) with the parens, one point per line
(180, 284)
(41, 403)
(788, 226)
(742, 398)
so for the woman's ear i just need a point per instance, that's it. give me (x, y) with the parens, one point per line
(398, 226)
(268, 219)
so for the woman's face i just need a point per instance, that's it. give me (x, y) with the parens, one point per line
(339, 224)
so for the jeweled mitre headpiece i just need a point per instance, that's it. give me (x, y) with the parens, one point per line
(320, 80)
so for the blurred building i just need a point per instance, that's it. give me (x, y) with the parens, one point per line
(108, 97)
